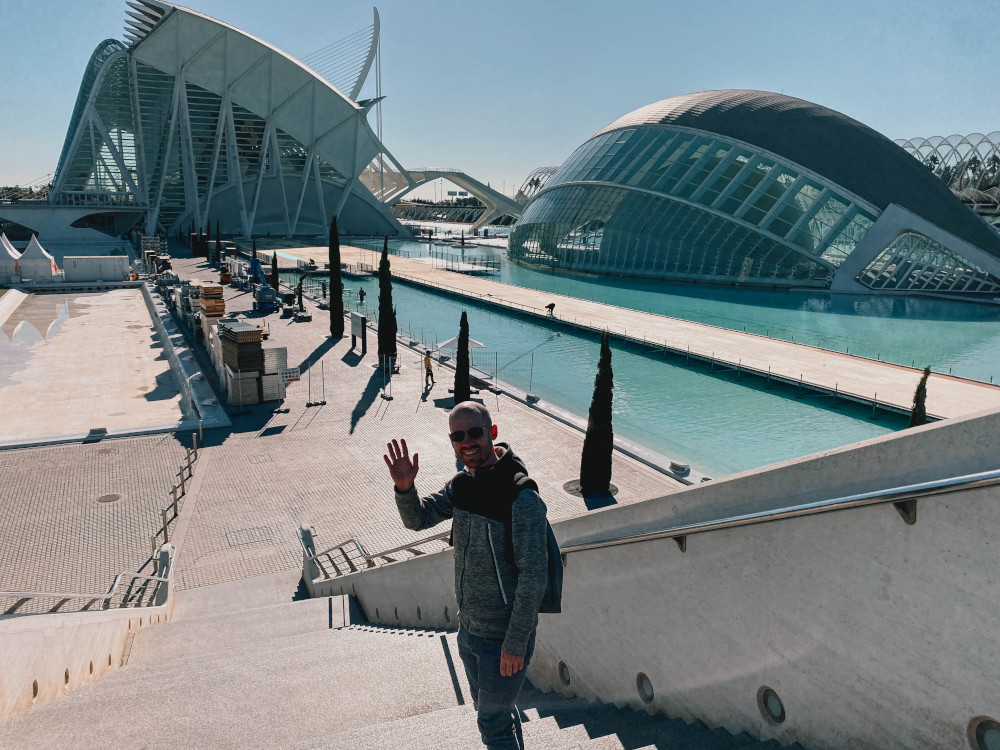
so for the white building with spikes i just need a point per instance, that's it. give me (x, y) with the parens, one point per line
(192, 123)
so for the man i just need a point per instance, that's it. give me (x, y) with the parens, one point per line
(428, 370)
(500, 572)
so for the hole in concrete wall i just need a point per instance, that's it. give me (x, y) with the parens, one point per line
(644, 687)
(109, 660)
(420, 615)
(66, 677)
(984, 733)
(34, 689)
(563, 673)
(92, 667)
(447, 615)
(354, 589)
(376, 614)
(771, 707)
(395, 612)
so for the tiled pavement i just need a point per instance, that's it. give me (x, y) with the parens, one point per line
(269, 473)
(73, 516)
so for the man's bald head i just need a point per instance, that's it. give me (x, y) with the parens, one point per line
(471, 408)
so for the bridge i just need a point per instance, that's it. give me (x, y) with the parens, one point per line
(391, 185)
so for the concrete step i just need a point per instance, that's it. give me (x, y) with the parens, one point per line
(302, 687)
(260, 627)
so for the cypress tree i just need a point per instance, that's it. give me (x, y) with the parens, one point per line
(218, 243)
(336, 297)
(595, 463)
(254, 241)
(386, 311)
(274, 270)
(918, 415)
(463, 389)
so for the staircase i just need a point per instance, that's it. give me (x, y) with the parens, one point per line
(243, 666)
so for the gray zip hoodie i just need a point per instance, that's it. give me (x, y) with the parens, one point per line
(496, 599)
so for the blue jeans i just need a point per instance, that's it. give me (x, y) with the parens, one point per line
(492, 694)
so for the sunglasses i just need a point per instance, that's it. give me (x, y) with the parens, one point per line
(474, 432)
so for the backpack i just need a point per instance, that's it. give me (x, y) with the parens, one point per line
(502, 511)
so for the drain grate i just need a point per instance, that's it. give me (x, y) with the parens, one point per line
(107, 451)
(109, 498)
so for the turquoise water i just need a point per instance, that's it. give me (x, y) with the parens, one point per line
(715, 422)
(958, 338)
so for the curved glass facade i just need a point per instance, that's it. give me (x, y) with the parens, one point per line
(679, 203)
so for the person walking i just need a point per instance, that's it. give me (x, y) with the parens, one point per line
(428, 370)
(501, 566)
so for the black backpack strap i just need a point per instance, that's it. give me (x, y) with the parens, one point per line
(521, 482)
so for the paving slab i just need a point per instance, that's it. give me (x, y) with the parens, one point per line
(73, 516)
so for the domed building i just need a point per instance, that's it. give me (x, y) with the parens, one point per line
(756, 188)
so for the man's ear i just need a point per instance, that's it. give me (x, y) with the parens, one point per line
(493, 432)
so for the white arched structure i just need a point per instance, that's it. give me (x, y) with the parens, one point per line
(198, 123)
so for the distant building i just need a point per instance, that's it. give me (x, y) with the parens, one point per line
(756, 188)
(194, 122)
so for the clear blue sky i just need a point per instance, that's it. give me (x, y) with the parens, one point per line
(500, 88)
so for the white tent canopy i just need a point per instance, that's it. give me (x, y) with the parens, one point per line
(9, 257)
(36, 263)
(11, 250)
(453, 344)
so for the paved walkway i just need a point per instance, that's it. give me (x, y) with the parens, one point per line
(74, 516)
(866, 380)
(323, 464)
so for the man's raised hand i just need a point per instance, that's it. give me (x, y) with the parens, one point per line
(401, 469)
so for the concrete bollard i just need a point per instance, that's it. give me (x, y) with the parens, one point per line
(163, 515)
(165, 557)
(310, 569)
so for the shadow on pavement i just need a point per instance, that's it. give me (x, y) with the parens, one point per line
(368, 397)
(317, 353)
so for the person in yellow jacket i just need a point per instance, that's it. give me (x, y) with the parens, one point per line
(428, 370)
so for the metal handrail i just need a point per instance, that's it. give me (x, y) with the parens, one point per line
(892, 495)
(370, 558)
(26, 596)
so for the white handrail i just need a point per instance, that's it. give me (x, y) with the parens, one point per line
(892, 495)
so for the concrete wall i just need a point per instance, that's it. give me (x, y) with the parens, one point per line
(197, 396)
(95, 267)
(873, 633)
(56, 653)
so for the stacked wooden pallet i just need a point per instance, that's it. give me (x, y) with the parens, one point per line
(211, 302)
(241, 348)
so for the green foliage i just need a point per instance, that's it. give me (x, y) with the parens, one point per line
(336, 300)
(386, 310)
(595, 463)
(463, 387)
(918, 414)
(274, 270)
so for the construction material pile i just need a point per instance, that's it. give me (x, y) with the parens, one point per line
(271, 386)
(211, 305)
